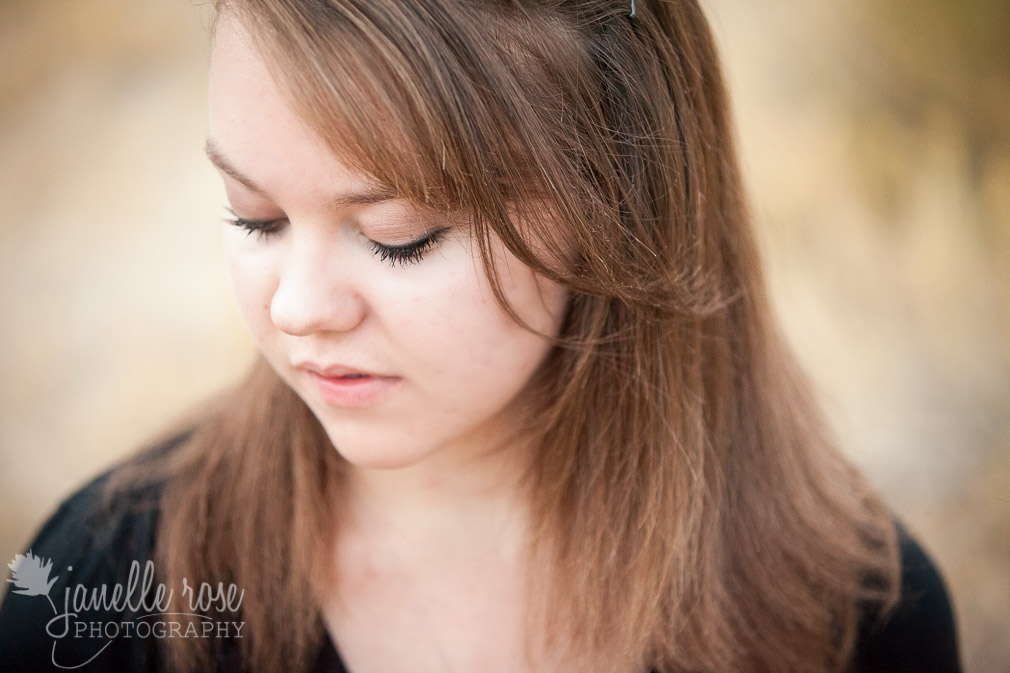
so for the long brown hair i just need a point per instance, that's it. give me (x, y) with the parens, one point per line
(697, 514)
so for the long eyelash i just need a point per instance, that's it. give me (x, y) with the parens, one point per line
(409, 253)
(263, 228)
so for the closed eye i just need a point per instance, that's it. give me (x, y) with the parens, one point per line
(408, 253)
(403, 254)
(263, 228)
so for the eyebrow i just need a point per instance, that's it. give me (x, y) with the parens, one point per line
(370, 195)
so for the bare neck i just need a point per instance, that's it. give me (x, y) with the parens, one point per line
(460, 501)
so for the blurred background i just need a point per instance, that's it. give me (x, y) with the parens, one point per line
(875, 138)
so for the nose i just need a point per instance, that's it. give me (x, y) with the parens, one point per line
(315, 292)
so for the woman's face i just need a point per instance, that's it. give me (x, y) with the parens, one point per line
(318, 291)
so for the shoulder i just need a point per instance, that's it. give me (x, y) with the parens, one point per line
(920, 633)
(92, 541)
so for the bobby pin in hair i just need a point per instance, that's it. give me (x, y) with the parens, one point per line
(632, 9)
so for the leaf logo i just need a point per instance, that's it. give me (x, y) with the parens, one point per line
(31, 575)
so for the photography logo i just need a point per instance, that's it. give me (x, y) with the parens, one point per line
(85, 610)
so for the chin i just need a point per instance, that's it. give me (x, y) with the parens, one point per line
(390, 456)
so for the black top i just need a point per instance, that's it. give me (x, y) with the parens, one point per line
(90, 547)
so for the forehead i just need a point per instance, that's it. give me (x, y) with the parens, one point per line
(315, 110)
(235, 62)
(256, 133)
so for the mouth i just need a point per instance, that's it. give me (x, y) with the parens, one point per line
(350, 378)
(338, 371)
(354, 389)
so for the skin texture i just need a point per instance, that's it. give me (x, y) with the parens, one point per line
(433, 527)
(315, 289)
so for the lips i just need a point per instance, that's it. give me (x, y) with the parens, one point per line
(340, 385)
(353, 391)
(338, 371)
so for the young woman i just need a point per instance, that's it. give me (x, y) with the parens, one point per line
(521, 405)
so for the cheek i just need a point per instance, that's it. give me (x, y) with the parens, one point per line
(253, 284)
(469, 345)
